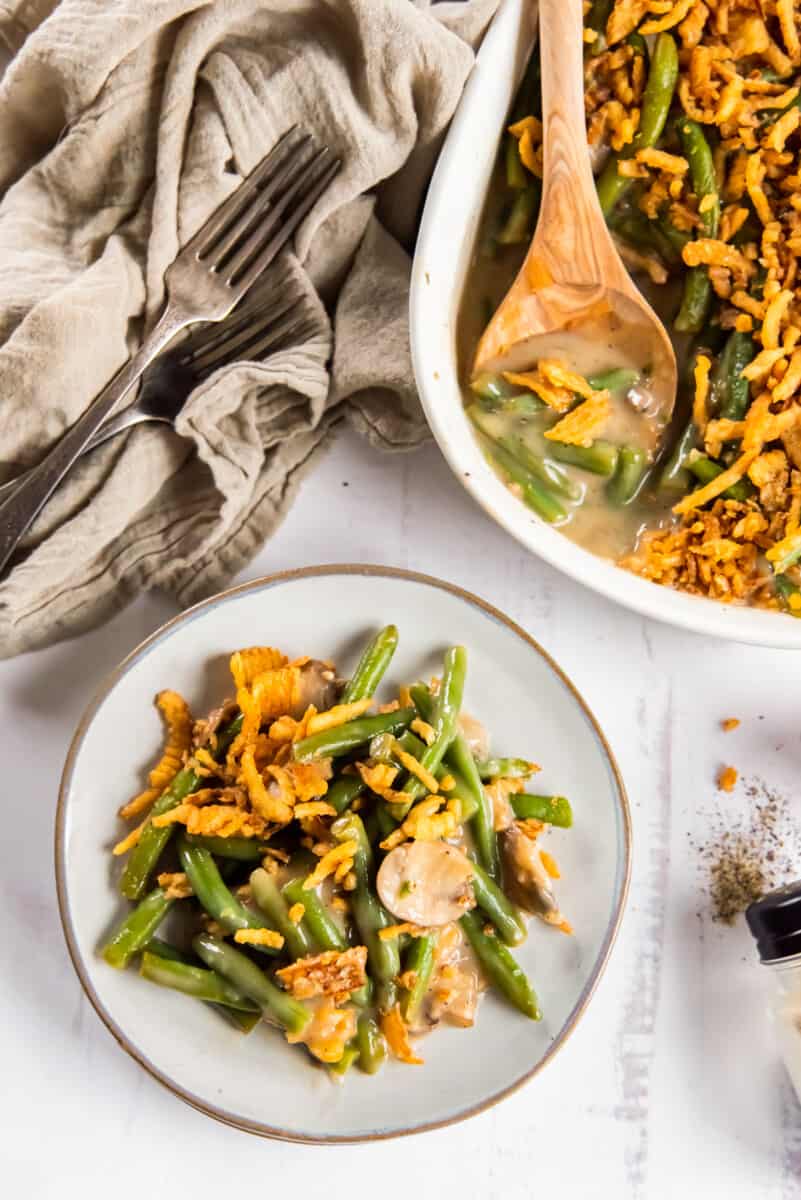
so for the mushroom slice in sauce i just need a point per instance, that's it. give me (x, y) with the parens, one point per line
(318, 686)
(526, 880)
(428, 883)
(474, 734)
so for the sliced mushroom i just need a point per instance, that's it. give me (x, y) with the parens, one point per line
(318, 686)
(428, 883)
(474, 734)
(525, 878)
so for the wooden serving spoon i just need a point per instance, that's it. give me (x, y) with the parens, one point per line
(572, 278)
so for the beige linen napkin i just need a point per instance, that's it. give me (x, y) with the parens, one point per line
(123, 123)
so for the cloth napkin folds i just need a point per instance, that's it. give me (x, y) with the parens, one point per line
(123, 124)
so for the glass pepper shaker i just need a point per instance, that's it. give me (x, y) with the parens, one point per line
(775, 923)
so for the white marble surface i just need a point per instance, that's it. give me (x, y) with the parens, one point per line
(670, 1085)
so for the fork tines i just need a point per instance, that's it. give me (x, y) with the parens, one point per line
(246, 232)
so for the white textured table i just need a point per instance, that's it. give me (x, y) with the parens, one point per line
(670, 1084)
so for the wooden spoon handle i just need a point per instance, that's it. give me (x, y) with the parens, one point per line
(570, 212)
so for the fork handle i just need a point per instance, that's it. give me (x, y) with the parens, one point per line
(28, 499)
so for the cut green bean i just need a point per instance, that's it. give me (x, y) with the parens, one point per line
(344, 1064)
(505, 768)
(343, 791)
(617, 379)
(383, 959)
(444, 717)
(467, 786)
(239, 849)
(212, 894)
(238, 969)
(624, 485)
(490, 386)
(372, 665)
(322, 926)
(495, 904)
(662, 77)
(600, 458)
(517, 177)
(730, 390)
(500, 967)
(673, 476)
(548, 473)
(136, 930)
(372, 1047)
(244, 1021)
(525, 404)
(333, 743)
(553, 810)
(534, 494)
(148, 850)
(705, 470)
(199, 982)
(519, 225)
(697, 288)
(268, 896)
(418, 962)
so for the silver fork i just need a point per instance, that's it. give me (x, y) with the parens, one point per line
(206, 280)
(259, 326)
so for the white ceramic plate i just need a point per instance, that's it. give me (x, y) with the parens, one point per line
(259, 1083)
(442, 257)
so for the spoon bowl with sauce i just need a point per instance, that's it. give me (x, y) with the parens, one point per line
(573, 298)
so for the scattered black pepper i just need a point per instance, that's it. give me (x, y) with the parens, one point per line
(746, 859)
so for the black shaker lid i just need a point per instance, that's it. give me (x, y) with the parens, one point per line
(775, 922)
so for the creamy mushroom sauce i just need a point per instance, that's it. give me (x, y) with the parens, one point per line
(606, 529)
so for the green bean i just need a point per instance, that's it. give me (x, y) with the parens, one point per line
(343, 791)
(157, 945)
(137, 928)
(705, 470)
(526, 404)
(420, 962)
(344, 1064)
(635, 228)
(624, 485)
(600, 458)
(240, 849)
(617, 379)
(333, 743)
(677, 239)
(245, 1022)
(371, 668)
(444, 717)
(505, 768)
(656, 101)
(500, 967)
(413, 745)
(322, 925)
(520, 223)
(674, 475)
(553, 810)
(517, 177)
(490, 386)
(786, 590)
(790, 556)
(212, 894)
(537, 497)
(199, 982)
(475, 803)
(596, 20)
(152, 841)
(541, 468)
(237, 968)
(368, 913)
(363, 996)
(372, 1047)
(638, 44)
(697, 288)
(729, 388)
(496, 905)
(268, 896)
